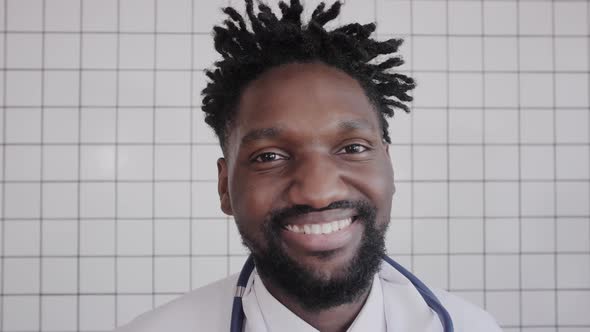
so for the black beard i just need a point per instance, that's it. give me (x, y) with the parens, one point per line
(314, 291)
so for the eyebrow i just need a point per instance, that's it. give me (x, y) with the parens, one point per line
(274, 132)
(347, 125)
(261, 133)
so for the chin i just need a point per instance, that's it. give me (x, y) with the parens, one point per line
(330, 264)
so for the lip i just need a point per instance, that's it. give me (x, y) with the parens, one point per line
(321, 217)
(322, 242)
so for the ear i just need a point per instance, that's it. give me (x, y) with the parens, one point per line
(389, 156)
(222, 187)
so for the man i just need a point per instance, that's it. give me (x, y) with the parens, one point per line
(300, 115)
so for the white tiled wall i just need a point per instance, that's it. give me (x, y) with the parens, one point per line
(108, 171)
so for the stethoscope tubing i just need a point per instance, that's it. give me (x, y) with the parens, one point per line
(237, 315)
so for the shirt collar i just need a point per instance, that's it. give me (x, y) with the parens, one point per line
(372, 315)
(278, 318)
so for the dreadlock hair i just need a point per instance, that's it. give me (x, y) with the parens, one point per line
(273, 42)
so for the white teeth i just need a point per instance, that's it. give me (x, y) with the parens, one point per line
(316, 229)
(345, 222)
(325, 228)
(335, 226)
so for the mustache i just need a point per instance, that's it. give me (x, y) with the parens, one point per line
(364, 210)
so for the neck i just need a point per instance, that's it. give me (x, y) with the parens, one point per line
(334, 319)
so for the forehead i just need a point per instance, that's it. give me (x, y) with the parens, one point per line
(303, 98)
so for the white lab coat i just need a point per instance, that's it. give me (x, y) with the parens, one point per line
(209, 309)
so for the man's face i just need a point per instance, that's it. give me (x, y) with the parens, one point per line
(307, 175)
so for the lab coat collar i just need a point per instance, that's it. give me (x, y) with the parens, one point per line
(265, 313)
(402, 305)
(405, 309)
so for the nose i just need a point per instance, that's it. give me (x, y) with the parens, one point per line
(317, 181)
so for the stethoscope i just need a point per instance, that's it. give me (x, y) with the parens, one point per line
(237, 314)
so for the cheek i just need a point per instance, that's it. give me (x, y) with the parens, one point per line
(251, 199)
(377, 185)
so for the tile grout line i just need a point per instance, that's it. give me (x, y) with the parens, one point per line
(483, 152)
(3, 189)
(554, 148)
(519, 163)
(154, 128)
(191, 148)
(116, 194)
(447, 146)
(412, 156)
(41, 159)
(588, 104)
(79, 168)
(204, 33)
(423, 107)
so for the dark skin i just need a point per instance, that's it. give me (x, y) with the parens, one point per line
(306, 134)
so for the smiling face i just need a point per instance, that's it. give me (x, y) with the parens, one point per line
(308, 178)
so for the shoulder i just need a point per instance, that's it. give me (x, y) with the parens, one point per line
(466, 316)
(208, 306)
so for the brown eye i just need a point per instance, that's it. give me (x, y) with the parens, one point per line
(355, 148)
(268, 157)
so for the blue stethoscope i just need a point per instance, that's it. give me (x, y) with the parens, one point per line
(237, 314)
